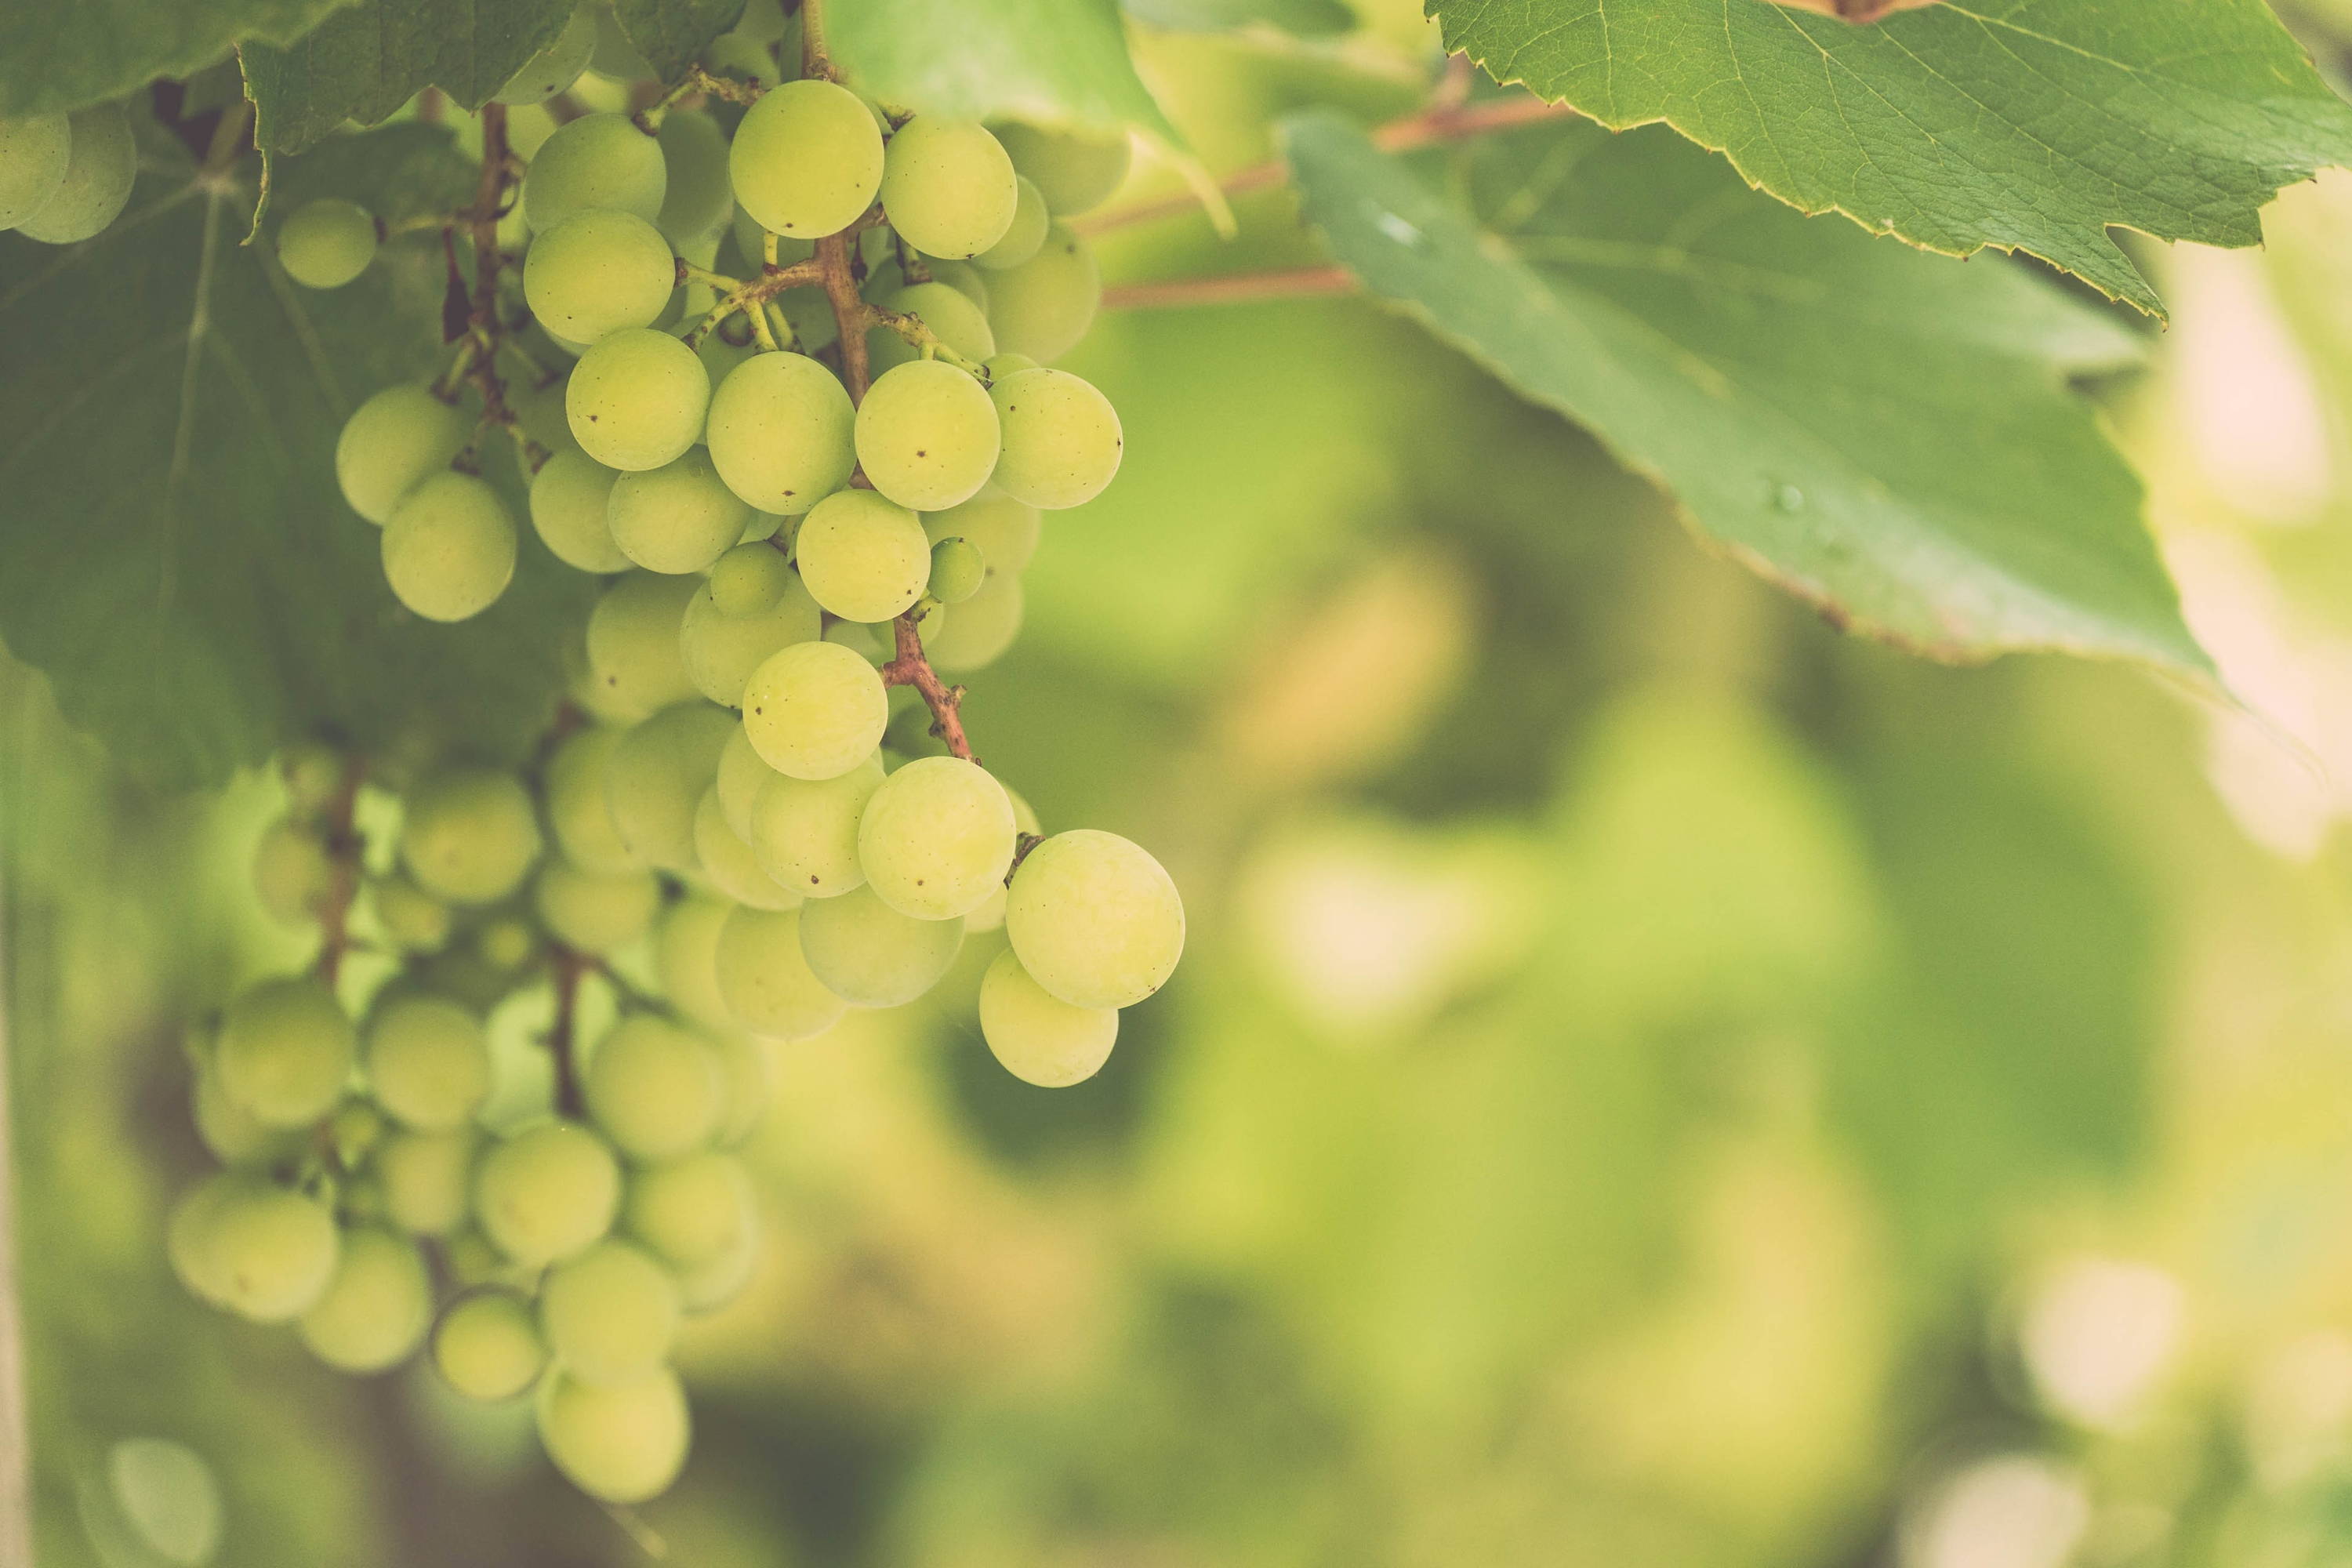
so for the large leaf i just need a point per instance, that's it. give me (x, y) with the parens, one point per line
(63, 54)
(1056, 62)
(1888, 434)
(2025, 124)
(174, 550)
(672, 34)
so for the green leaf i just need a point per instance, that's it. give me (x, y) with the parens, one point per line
(1054, 62)
(2022, 124)
(67, 53)
(365, 62)
(173, 550)
(1307, 18)
(672, 34)
(1887, 433)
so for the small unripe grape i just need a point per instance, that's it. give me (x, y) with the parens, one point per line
(470, 837)
(965, 280)
(1043, 307)
(597, 161)
(936, 839)
(656, 779)
(595, 911)
(632, 646)
(293, 875)
(729, 864)
(556, 66)
(1037, 1037)
(1004, 529)
(284, 1051)
(947, 311)
(487, 1346)
(391, 443)
(449, 548)
(34, 150)
(815, 710)
(326, 244)
(983, 627)
(927, 434)
(577, 810)
(740, 774)
(1073, 171)
(428, 1179)
(805, 832)
(698, 200)
(101, 163)
(622, 1444)
(948, 186)
(807, 159)
(188, 1237)
(683, 957)
(1061, 441)
(1095, 919)
(265, 1252)
(722, 650)
(547, 1192)
(610, 1315)
(376, 1307)
(739, 59)
(596, 272)
(870, 955)
(678, 517)
(234, 1134)
(692, 1210)
(637, 399)
(780, 432)
(413, 920)
(654, 1087)
(567, 499)
(314, 774)
(861, 557)
(428, 1061)
(750, 580)
(1024, 234)
(957, 571)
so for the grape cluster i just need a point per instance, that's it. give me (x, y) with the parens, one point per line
(65, 177)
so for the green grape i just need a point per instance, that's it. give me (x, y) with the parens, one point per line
(597, 161)
(610, 1315)
(540, 409)
(739, 59)
(814, 710)
(595, 911)
(685, 957)
(284, 1051)
(314, 777)
(470, 836)
(576, 809)
(556, 66)
(637, 399)
(1005, 530)
(873, 644)
(1024, 234)
(623, 1444)
(376, 1307)
(1062, 440)
(698, 201)
(1043, 307)
(745, 1062)
(808, 311)
(999, 366)
(765, 980)
(487, 1345)
(568, 498)
(936, 839)
(632, 647)
(807, 159)
(656, 779)
(748, 581)
(990, 915)
(862, 558)
(678, 517)
(188, 1237)
(266, 1252)
(1073, 171)
(354, 1129)
(547, 1192)
(805, 832)
(870, 955)
(729, 864)
(965, 280)
(780, 432)
(693, 1210)
(412, 920)
(428, 1179)
(957, 569)
(597, 273)
(33, 151)
(293, 875)
(946, 310)
(655, 1087)
(1038, 1038)
(707, 1286)
(948, 186)
(449, 548)
(234, 1134)
(1095, 919)
(101, 163)
(505, 944)
(326, 244)
(391, 443)
(984, 627)
(740, 774)
(750, 243)
(428, 1061)
(927, 434)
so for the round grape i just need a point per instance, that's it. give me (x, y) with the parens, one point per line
(637, 399)
(470, 837)
(656, 779)
(780, 432)
(957, 569)
(862, 558)
(576, 808)
(376, 1307)
(1024, 234)
(927, 434)
(740, 774)
(1005, 530)
(807, 159)
(234, 1134)
(805, 832)
(765, 980)
(814, 710)
(1095, 919)
(568, 498)
(965, 280)
(595, 911)
(101, 163)
(1037, 1037)
(1061, 441)
(1043, 307)
(654, 1087)
(685, 957)
(692, 1210)
(1073, 171)
(188, 1238)
(326, 244)
(936, 839)
(293, 875)
(428, 1061)
(556, 66)
(597, 273)
(948, 186)
(284, 1051)
(622, 1444)
(610, 1315)
(487, 1346)
(597, 161)
(449, 548)
(729, 864)
(633, 644)
(392, 442)
(698, 200)
(547, 1192)
(428, 1179)
(947, 311)
(984, 626)
(264, 1251)
(678, 517)
(745, 1061)
(870, 955)
(34, 150)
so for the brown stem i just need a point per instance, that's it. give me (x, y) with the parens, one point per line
(945, 701)
(345, 851)
(499, 171)
(848, 308)
(1233, 288)
(567, 968)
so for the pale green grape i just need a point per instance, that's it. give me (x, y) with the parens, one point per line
(696, 200)
(862, 558)
(547, 1192)
(990, 915)
(376, 1307)
(568, 498)
(266, 1252)
(983, 627)
(947, 311)
(595, 911)
(1003, 527)
(33, 151)
(188, 1237)
(101, 161)
(740, 58)
(576, 808)
(807, 159)
(814, 710)
(598, 161)
(936, 839)
(805, 832)
(314, 775)
(632, 646)
(428, 1179)
(740, 774)
(326, 244)
(1062, 439)
(750, 580)
(284, 1051)
(487, 1345)
(428, 1061)
(965, 280)
(927, 434)
(1043, 307)
(470, 836)
(709, 1286)
(765, 979)
(610, 1315)
(598, 272)
(505, 943)
(957, 569)
(293, 875)
(1073, 171)
(722, 650)
(637, 399)
(1095, 919)
(391, 443)
(354, 1129)
(999, 366)
(657, 776)
(948, 186)
(870, 955)
(412, 920)
(780, 432)
(234, 1134)
(1037, 1037)
(655, 1087)
(685, 957)
(623, 1444)
(729, 864)
(1024, 234)
(678, 517)
(872, 644)
(449, 548)
(540, 409)
(745, 1061)
(557, 66)
(692, 1210)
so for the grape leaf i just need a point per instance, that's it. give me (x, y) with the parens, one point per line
(1055, 62)
(1887, 433)
(174, 550)
(2022, 124)
(1307, 18)
(365, 62)
(65, 55)
(672, 34)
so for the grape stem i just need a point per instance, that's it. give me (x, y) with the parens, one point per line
(345, 851)
(485, 334)
(945, 701)
(566, 967)
(911, 327)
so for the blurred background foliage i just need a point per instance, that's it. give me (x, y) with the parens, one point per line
(1654, 1081)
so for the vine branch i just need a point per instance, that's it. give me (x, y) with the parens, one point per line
(567, 968)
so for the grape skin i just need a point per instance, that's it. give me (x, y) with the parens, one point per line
(597, 273)
(598, 161)
(675, 518)
(625, 1444)
(957, 569)
(1024, 234)
(1038, 1038)
(1073, 171)
(780, 432)
(728, 863)
(556, 66)
(391, 443)
(264, 1251)
(936, 839)
(376, 1306)
(326, 244)
(805, 832)
(722, 650)
(656, 779)
(449, 548)
(948, 186)
(471, 836)
(765, 979)
(947, 311)
(983, 627)
(862, 558)
(750, 580)
(285, 1049)
(101, 164)
(654, 1087)
(34, 150)
(595, 911)
(426, 1179)
(927, 434)
(293, 875)
(696, 200)
(633, 644)
(1004, 529)
(234, 1134)
(568, 498)
(1095, 919)
(549, 1191)
(428, 1061)
(487, 1346)
(576, 809)
(610, 1315)
(814, 711)
(1043, 307)
(693, 1210)
(1061, 441)
(807, 159)
(740, 774)
(685, 952)
(637, 399)
(870, 955)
